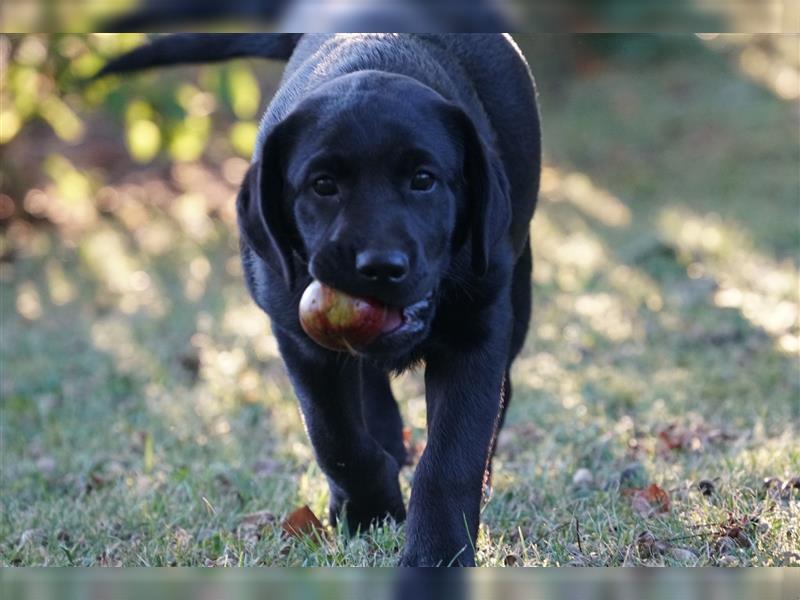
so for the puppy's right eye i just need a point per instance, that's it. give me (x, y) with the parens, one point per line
(325, 186)
(422, 181)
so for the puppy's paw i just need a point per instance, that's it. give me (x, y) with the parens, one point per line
(360, 518)
(362, 513)
(371, 505)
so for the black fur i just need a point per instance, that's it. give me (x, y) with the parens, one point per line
(186, 48)
(369, 111)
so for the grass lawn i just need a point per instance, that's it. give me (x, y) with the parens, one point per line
(147, 418)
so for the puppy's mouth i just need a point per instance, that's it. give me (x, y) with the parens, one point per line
(359, 325)
(407, 320)
(404, 329)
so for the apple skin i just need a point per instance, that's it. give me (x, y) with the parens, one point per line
(338, 321)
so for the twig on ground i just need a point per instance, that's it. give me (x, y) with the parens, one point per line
(578, 534)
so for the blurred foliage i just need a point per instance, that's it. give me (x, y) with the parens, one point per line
(46, 79)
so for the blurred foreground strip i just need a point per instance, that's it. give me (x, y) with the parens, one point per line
(420, 584)
(754, 16)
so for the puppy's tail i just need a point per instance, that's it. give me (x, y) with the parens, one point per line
(186, 48)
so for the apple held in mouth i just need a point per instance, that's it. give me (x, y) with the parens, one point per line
(338, 321)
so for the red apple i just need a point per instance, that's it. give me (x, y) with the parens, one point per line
(338, 321)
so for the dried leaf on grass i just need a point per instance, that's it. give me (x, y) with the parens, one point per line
(511, 560)
(692, 438)
(302, 522)
(649, 501)
(649, 546)
(792, 485)
(779, 490)
(736, 532)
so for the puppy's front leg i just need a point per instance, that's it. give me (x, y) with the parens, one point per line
(361, 474)
(463, 390)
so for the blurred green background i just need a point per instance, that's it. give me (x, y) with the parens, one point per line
(146, 415)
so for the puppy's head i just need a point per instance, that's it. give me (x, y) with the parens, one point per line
(376, 183)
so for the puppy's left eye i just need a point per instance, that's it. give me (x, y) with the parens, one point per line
(422, 181)
(325, 186)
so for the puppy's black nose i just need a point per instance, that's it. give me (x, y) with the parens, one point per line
(386, 266)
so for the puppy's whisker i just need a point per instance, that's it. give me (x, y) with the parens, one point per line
(462, 284)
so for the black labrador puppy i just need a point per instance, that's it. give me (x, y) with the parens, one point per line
(403, 168)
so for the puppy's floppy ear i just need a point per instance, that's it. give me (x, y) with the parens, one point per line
(488, 193)
(260, 209)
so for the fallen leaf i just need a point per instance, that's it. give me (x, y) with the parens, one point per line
(736, 531)
(658, 496)
(648, 546)
(650, 500)
(302, 522)
(642, 507)
(792, 485)
(693, 438)
(510, 560)
(670, 439)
